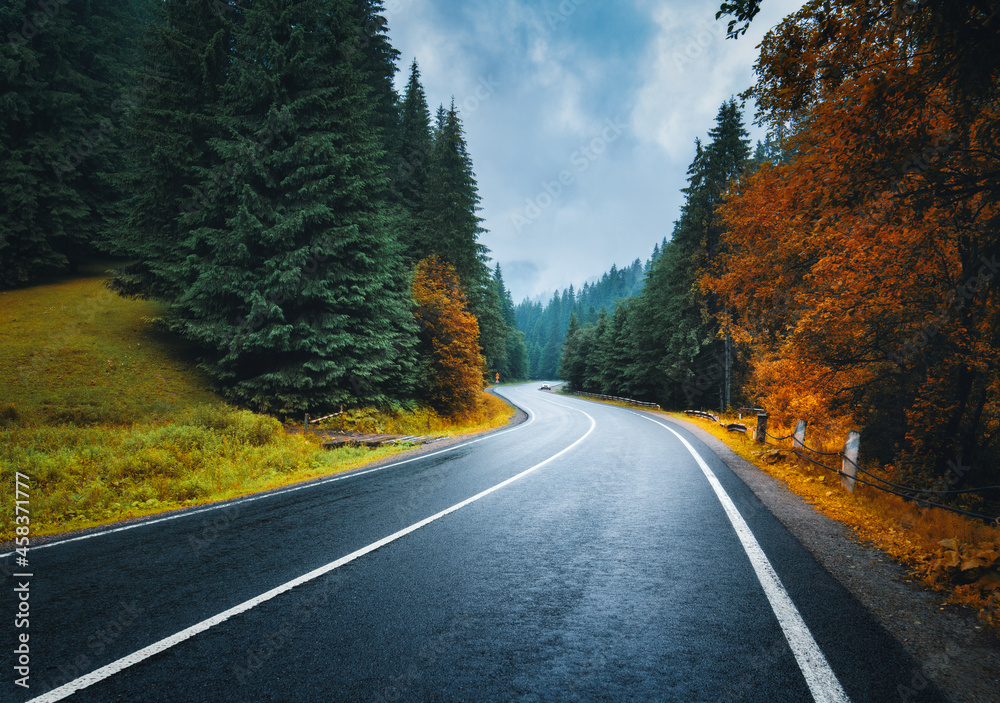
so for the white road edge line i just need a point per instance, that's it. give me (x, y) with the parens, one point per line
(58, 694)
(263, 496)
(822, 682)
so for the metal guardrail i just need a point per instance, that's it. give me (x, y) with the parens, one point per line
(640, 403)
(732, 426)
(850, 469)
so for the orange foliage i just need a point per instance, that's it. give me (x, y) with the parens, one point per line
(859, 269)
(450, 334)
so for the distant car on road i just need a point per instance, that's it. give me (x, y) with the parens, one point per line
(545, 387)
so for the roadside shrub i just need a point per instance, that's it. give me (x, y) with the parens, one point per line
(150, 462)
(46, 470)
(181, 438)
(90, 496)
(140, 494)
(255, 430)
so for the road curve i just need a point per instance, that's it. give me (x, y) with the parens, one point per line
(591, 553)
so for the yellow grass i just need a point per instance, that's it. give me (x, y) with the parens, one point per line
(73, 351)
(111, 419)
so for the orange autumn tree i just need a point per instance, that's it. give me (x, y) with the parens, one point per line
(860, 268)
(449, 338)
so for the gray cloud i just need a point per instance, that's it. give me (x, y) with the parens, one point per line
(657, 70)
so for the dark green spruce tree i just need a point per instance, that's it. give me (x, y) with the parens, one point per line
(516, 368)
(679, 359)
(297, 292)
(64, 94)
(450, 222)
(376, 57)
(112, 28)
(572, 363)
(173, 173)
(595, 357)
(552, 334)
(618, 352)
(450, 226)
(408, 175)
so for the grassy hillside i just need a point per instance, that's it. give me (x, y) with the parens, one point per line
(75, 352)
(111, 419)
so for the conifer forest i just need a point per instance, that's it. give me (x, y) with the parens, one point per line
(252, 167)
(314, 233)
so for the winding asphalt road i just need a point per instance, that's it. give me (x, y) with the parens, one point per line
(591, 553)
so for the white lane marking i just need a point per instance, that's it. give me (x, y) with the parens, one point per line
(822, 682)
(284, 491)
(57, 694)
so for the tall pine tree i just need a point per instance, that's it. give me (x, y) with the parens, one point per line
(185, 61)
(450, 227)
(450, 222)
(677, 350)
(63, 103)
(516, 356)
(297, 292)
(408, 176)
(375, 56)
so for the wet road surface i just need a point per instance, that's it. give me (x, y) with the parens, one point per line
(584, 555)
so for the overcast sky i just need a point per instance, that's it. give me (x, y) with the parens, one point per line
(580, 116)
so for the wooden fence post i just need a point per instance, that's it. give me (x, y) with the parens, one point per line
(799, 436)
(849, 462)
(305, 427)
(761, 434)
